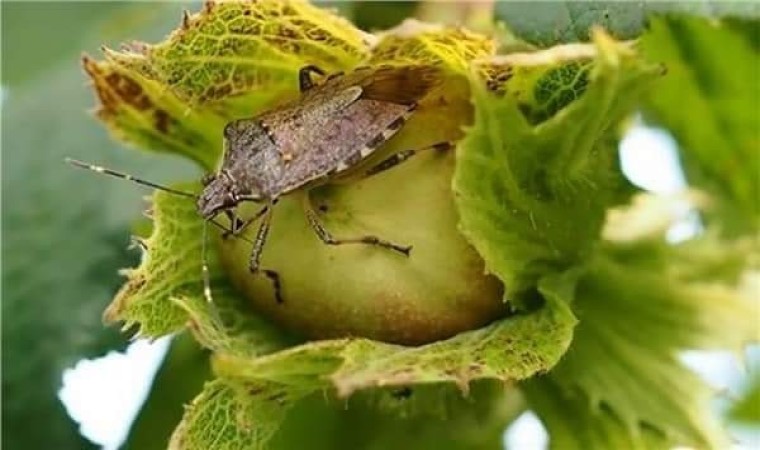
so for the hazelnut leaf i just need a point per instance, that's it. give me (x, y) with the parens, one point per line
(228, 61)
(635, 315)
(532, 198)
(259, 392)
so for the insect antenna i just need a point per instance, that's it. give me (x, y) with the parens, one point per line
(84, 165)
(204, 244)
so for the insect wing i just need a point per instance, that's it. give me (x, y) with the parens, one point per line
(338, 124)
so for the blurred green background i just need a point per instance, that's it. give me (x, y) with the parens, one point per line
(65, 232)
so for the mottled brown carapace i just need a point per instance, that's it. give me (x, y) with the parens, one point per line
(326, 132)
(329, 129)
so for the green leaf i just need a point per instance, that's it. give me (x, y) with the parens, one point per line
(532, 198)
(170, 267)
(476, 422)
(165, 292)
(69, 230)
(635, 315)
(230, 416)
(573, 424)
(228, 61)
(414, 42)
(259, 392)
(231, 49)
(372, 16)
(545, 24)
(181, 376)
(711, 111)
(229, 325)
(747, 409)
(319, 422)
(140, 111)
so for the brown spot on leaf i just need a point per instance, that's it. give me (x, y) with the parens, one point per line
(277, 396)
(288, 32)
(161, 120)
(114, 88)
(402, 393)
(255, 390)
(125, 87)
(185, 20)
(216, 92)
(317, 34)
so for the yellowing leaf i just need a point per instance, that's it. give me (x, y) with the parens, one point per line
(443, 113)
(228, 61)
(238, 48)
(414, 42)
(144, 113)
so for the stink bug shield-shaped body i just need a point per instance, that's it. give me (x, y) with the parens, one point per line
(327, 131)
(322, 135)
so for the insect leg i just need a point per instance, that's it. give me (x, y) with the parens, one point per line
(304, 76)
(402, 156)
(258, 247)
(328, 238)
(237, 225)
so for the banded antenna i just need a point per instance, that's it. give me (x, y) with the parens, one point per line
(204, 262)
(125, 176)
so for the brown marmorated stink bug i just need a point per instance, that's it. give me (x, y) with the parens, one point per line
(323, 136)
